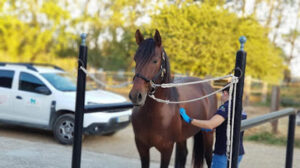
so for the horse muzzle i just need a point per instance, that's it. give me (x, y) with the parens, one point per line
(137, 98)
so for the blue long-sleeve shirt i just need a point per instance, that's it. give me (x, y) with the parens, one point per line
(220, 144)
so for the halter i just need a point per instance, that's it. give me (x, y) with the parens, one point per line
(159, 74)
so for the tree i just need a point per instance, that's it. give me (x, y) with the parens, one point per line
(202, 39)
(34, 32)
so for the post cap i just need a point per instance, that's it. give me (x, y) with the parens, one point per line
(242, 40)
(83, 38)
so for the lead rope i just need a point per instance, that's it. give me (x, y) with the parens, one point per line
(187, 101)
(102, 83)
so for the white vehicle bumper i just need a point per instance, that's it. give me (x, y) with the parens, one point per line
(106, 122)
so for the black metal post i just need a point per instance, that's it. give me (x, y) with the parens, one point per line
(239, 71)
(290, 142)
(79, 109)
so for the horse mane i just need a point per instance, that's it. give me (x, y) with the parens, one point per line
(144, 54)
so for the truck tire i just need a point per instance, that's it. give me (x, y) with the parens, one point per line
(63, 129)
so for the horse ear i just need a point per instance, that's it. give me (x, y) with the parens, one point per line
(138, 37)
(157, 38)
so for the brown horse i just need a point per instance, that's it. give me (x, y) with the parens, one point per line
(159, 125)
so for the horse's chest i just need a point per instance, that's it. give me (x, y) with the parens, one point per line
(155, 139)
(152, 133)
(155, 126)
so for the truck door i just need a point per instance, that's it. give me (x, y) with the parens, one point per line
(6, 80)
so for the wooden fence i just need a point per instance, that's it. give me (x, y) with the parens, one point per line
(255, 90)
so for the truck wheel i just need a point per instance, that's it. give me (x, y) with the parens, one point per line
(63, 129)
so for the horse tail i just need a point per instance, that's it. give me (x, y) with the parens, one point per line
(198, 150)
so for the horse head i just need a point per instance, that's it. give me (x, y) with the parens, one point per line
(152, 67)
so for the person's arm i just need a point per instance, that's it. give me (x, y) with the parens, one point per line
(212, 123)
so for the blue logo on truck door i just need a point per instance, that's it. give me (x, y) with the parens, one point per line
(32, 101)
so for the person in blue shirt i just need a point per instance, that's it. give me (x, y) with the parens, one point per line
(218, 122)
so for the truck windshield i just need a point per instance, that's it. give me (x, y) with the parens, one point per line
(64, 81)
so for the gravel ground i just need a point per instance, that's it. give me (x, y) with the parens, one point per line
(22, 147)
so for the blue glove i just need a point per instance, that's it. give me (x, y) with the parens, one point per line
(184, 116)
(206, 129)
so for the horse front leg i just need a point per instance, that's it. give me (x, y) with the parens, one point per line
(144, 153)
(166, 150)
(181, 153)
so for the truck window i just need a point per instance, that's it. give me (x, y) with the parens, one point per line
(6, 78)
(28, 82)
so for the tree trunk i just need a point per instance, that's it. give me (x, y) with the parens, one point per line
(264, 92)
(255, 7)
(275, 104)
(243, 7)
(247, 90)
(269, 19)
(293, 40)
(279, 8)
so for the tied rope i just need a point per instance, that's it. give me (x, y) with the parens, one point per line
(102, 83)
(232, 125)
(229, 131)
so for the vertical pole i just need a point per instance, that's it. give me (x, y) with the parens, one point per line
(290, 142)
(239, 71)
(79, 108)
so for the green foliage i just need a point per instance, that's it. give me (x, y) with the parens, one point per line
(118, 54)
(27, 36)
(202, 39)
(117, 51)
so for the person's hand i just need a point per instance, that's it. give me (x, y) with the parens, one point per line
(184, 116)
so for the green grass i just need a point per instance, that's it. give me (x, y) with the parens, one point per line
(269, 138)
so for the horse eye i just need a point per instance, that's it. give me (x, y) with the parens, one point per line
(155, 61)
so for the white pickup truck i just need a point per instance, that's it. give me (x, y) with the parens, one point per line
(43, 96)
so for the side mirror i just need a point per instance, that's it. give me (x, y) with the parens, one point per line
(43, 90)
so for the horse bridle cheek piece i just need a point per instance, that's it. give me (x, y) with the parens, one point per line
(160, 74)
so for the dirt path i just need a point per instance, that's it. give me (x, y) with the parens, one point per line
(122, 145)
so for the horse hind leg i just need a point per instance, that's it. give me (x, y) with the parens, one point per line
(208, 139)
(181, 153)
(198, 150)
(144, 153)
